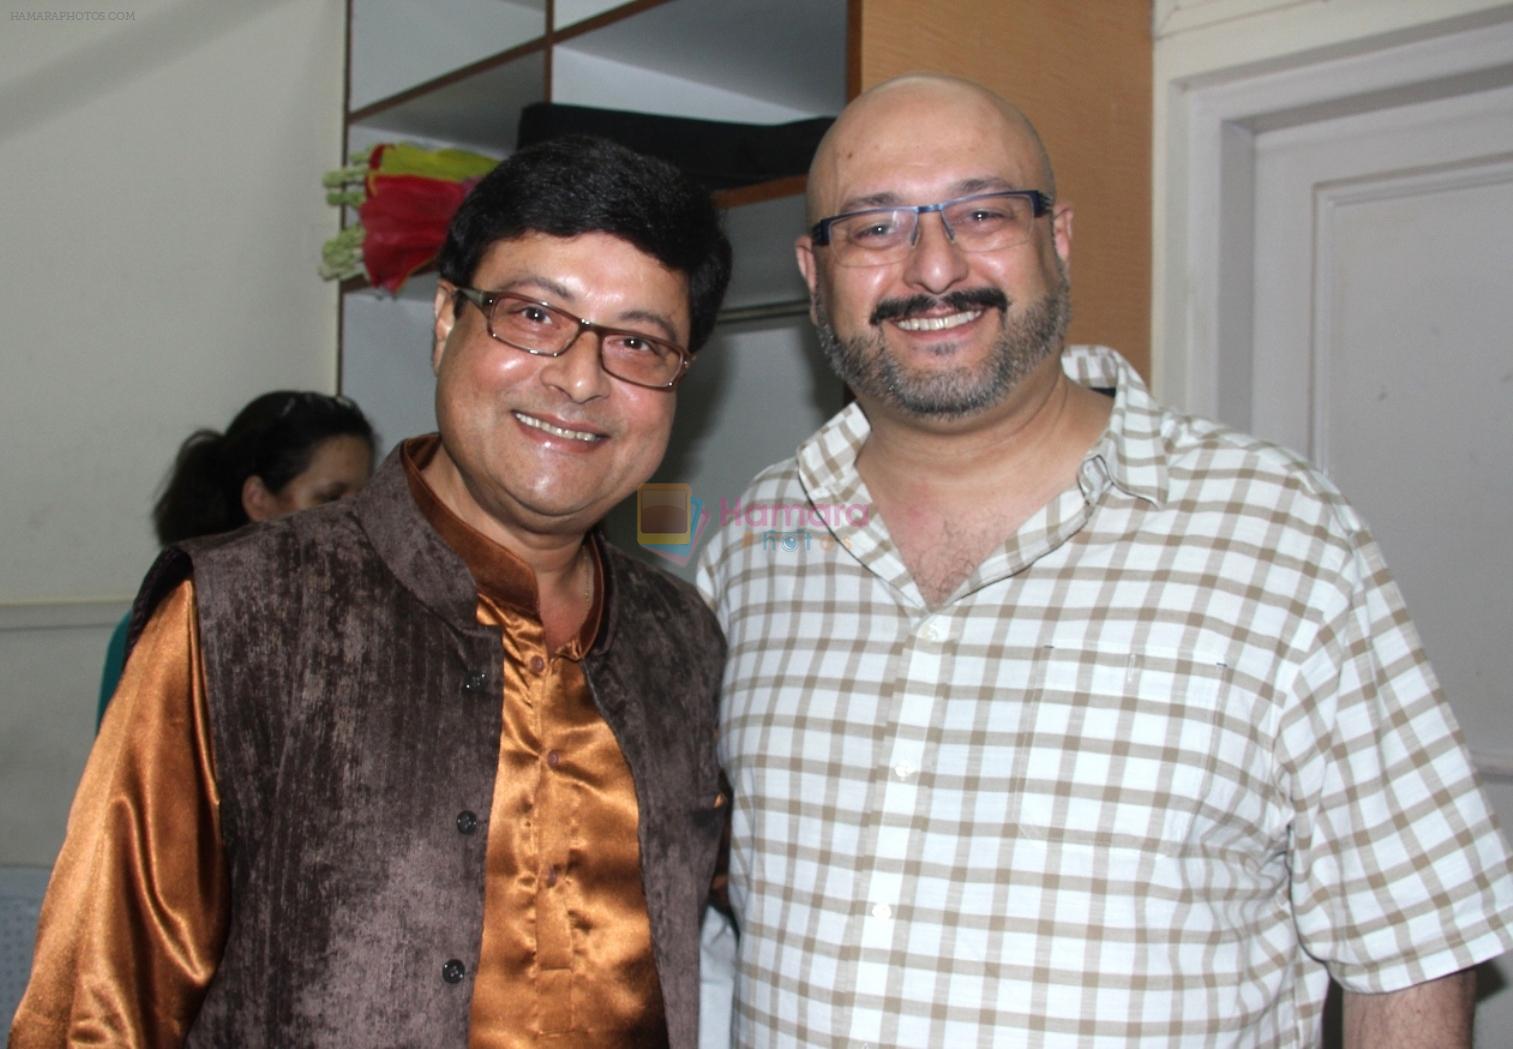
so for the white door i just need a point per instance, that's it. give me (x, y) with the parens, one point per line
(1382, 349)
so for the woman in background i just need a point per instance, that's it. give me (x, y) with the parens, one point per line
(285, 451)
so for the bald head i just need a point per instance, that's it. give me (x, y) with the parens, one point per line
(948, 324)
(940, 116)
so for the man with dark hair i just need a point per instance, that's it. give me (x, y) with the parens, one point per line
(1102, 725)
(636, 204)
(433, 766)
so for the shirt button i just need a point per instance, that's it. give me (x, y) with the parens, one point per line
(930, 632)
(473, 682)
(553, 759)
(453, 970)
(551, 876)
(467, 822)
(881, 911)
(903, 770)
(537, 664)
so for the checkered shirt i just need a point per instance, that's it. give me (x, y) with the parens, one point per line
(1169, 758)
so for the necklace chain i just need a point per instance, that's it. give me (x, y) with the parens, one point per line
(588, 576)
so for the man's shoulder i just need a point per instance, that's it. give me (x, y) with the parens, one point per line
(264, 558)
(1208, 460)
(1230, 489)
(1214, 482)
(273, 560)
(1183, 458)
(325, 531)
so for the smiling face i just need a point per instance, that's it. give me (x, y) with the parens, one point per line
(941, 334)
(543, 446)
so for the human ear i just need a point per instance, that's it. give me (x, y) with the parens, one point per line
(1061, 231)
(444, 314)
(803, 252)
(257, 501)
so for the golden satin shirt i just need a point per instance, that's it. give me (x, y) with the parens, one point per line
(136, 913)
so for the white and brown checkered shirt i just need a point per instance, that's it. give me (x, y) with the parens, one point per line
(1169, 757)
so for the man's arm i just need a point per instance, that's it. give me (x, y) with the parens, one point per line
(1432, 1015)
(135, 914)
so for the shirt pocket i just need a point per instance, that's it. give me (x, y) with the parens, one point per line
(1118, 749)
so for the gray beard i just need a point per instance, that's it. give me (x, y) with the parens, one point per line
(866, 365)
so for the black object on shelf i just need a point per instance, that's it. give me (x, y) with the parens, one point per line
(720, 155)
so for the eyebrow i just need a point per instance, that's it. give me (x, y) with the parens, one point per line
(656, 320)
(963, 188)
(562, 292)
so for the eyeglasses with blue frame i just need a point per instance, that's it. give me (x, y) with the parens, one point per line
(978, 222)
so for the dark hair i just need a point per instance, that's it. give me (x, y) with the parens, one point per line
(273, 438)
(577, 184)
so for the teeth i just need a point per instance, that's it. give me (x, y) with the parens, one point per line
(939, 323)
(555, 431)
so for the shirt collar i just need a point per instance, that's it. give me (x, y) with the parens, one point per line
(827, 460)
(1129, 454)
(499, 574)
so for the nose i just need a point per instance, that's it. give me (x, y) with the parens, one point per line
(577, 371)
(935, 263)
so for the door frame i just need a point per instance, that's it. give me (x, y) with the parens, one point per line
(1205, 246)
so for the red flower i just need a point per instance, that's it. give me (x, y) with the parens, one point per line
(405, 220)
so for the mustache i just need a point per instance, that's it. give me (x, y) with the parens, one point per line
(956, 301)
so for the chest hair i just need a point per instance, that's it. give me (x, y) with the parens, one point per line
(942, 550)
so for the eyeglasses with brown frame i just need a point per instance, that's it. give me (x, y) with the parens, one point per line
(544, 330)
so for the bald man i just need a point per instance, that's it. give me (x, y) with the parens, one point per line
(1069, 720)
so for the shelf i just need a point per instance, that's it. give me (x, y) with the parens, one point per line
(397, 45)
(770, 62)
(466, 108)
(650, 56)
(575, 17)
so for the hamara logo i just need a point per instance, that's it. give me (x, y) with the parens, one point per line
(669, 521)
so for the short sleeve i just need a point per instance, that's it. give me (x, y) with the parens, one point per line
(1399, 871)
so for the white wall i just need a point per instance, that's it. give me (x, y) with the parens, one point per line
(161, 220)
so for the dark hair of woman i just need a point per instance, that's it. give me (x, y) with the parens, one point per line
(272, 439)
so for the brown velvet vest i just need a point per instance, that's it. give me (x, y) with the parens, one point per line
(355, 710)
